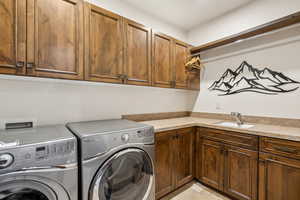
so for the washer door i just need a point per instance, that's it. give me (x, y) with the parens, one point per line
(128, 175)
(26, 190)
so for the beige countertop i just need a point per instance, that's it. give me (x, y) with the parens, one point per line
(281, 132)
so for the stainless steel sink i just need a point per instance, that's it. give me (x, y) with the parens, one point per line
(235, 125)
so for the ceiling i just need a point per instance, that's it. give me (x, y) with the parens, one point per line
(186, 14)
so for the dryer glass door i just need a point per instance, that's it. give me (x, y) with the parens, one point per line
(128, 175)
(25, 190)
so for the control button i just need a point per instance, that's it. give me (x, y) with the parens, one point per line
(70, 147)
(125, 137)
(53, 150)
(141, 133)
(6, 160)
(27, 156)
(42, 152)
(60, 149)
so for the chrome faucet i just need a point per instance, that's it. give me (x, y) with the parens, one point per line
(238, 118)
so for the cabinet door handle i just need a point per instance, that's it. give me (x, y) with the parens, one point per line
(226, 152)
(121, 76)
(20, 64)
(173, 84)
(30, 65)
(285, 149)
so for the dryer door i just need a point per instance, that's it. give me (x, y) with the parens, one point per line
(128, 175)
(25, 190)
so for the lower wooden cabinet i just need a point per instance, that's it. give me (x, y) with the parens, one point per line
(164, 163)
(174, 160)
(212, 164)
(229, 162)
(279, 178)
(228, 168)
(184, 156)
(240, 173)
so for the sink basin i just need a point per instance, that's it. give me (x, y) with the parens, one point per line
(235, 125)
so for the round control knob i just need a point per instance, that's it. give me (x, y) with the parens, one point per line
(125, 137)
(6, 160)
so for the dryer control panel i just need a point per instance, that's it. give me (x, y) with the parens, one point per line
(101, 143)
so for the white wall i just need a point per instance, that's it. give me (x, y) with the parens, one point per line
(253, 14)
(117, 6)
(51, 101)
(278, 51)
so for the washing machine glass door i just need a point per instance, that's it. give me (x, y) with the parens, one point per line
(128, 175)
(25, 190)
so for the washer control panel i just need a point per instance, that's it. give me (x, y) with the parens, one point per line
(42, 155)
(54, 150)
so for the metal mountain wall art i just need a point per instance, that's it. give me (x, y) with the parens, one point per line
(246, 78)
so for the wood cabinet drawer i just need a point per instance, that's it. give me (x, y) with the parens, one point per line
(280, 147)
(233, 138)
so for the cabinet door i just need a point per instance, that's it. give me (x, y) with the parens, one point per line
(198, 154)
(180, 59)
(103, 45)
(55, 38)
(137, 53)
(162, 60)
(184, 164)
(164, 155)
(12, 36)
(279, 178)
(241, 173)
(212, 164)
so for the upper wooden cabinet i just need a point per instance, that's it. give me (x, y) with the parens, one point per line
(169, 57)
(71, 39)
(181, 52)
(55, 38)
(137, 53)
(12, 36)
(103, 45)
(162, 60)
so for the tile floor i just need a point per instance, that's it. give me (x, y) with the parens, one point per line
(197, 192)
